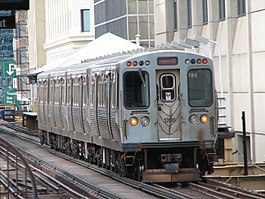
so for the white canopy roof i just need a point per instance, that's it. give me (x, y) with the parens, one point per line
(104, 45)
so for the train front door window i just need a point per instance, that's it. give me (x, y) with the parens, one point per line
(136, 89)
(200, 88)
(167, 82)
(168, 105)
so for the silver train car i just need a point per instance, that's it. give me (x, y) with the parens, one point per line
(150, 115)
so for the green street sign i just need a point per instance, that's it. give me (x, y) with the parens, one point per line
(9, 69)
(10, 96)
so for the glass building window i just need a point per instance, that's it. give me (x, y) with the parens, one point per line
(204, 12)
(222, 9)
(85, 20)
(241, 7)
(189, 13)
(175, 15)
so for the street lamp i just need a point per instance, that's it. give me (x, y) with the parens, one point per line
(194, 43)
(206, 41)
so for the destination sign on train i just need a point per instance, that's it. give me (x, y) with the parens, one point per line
(167, 61)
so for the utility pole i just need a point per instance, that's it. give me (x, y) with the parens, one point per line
(244, 144)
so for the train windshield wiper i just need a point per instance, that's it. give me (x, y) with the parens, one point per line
(142, 77)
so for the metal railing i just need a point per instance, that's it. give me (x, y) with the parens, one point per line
(222, 120)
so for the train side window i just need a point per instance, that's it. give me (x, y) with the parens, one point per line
(54, 97)
(62, 98)
(69, 91)
(39, 91)
(168, 87)
(57, 91)
(102, 91)
(84, 91)
(76, 91)
(99, 93)
(113, 90)
(52, 91)
(102, 83)
(45, 91)
(117, 90)
(87, 88)
(47, 88)
(93, 89)
(105, 90)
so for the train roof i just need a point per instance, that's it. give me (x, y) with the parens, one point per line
(89, 64)
(106, 62)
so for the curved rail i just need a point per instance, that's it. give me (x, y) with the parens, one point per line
(12, 149)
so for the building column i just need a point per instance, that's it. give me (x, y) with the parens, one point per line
(251, 90)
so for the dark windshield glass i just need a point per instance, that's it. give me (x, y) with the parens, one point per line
(167, 81)
(200, 87)
(136, 89)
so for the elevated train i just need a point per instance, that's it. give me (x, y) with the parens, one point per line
(149, 115)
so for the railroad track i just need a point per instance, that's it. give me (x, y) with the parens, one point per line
(223, 191)
(130, 188)
(212, 190)
(80, 173)
(13, 177)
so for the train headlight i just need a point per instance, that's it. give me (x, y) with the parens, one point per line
(193, 119)
(204, 119)
(145, 121)
(133, 121)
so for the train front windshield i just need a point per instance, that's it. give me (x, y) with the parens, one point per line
(200, 88)
(136, 89)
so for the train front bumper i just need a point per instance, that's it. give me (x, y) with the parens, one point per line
(164, 175)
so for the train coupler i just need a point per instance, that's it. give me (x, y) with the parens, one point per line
(171, 162)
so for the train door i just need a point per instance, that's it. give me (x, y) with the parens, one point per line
(168, 105)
